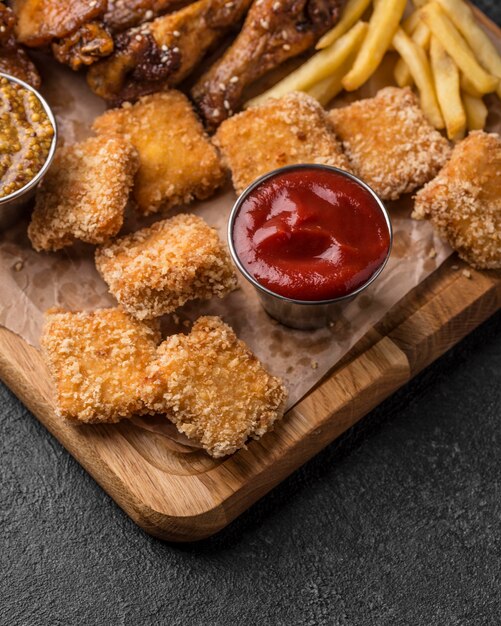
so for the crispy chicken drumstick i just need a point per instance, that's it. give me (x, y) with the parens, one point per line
(163, 52)
(275, 30)
(123, 14)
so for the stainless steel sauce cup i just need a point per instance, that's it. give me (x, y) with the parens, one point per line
(12, 206)
(302, 314)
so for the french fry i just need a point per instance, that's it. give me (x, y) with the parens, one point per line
(419, 3)
(382, 26)
(401, 74)
(419, 66)
(421, 36)
(446, 77)
(464, 20)
(445, 31)
(319, 66)
(352, 12)
(476, 112)
(466, 85)
(329, 87)
(410, 23)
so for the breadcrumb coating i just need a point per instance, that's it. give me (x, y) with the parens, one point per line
(389, 142)
(98, 363)
(214, 389)
(282, 131)
(84, 193)
(177, 161)
(157, 269)
(464, 201)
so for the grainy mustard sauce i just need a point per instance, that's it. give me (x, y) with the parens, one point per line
(26, 135)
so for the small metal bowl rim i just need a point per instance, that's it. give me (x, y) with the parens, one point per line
(50, 156)
(301, 166)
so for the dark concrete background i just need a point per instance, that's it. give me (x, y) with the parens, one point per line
(398, 522)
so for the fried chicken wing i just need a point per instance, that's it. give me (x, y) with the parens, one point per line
(13, 59)
(463, 201)
(82, 32)
(85, 46)
(163, 52)
(123, 14)
(213, 388)
(274, 30)
(40, 22)
(95, 40)
(69, 27)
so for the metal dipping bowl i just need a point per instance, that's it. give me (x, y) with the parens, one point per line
(12, 207)
(302, 314)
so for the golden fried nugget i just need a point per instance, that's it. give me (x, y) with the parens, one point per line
(157, 269)
(214, 389)
(177, 161)
(464, 202)
(83, 195)
(389, 142)
(282, 131)
(98, 362)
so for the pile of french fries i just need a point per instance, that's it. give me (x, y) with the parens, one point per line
(443, 52)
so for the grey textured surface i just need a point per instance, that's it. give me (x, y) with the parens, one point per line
(399, 522)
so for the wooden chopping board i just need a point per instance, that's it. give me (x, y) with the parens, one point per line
(180, 494)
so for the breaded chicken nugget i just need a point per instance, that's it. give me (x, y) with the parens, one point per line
(214, 389)
(83, 195)
(282, 131)
(177, 161)
(98, 362)
(464, 200)
(389, 142)
(157, 269)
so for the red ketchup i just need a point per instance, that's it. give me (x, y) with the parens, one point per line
(311, 234)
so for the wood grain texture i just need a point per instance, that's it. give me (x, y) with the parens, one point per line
(178, 493)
